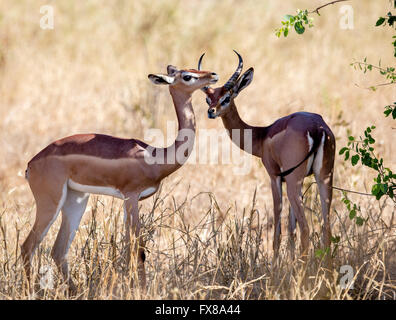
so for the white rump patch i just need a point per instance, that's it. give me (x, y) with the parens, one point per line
(318, 163)
(310, 159)
(108, 191)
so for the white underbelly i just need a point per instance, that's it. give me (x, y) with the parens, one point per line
(108, 191)
(148, 192)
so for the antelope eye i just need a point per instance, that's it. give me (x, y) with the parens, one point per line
(225, 101)
(187, 78)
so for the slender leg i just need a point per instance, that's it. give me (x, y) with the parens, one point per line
(292, 232)
(46, 213)
(326, 193)
(323, 170)
(72, 212)
(295, 197)
(276, 187)
(133, 226)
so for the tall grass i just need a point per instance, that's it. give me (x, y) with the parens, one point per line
(209, 232)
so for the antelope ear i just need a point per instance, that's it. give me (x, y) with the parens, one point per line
(161, 79)
(244, 81)
(171, 70)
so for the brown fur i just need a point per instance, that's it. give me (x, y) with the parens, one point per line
(281, 146)
(101, 161)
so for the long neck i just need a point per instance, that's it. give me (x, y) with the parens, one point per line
(177, 154)
(245, 136)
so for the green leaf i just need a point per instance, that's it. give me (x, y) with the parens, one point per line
(355, 159)
(298, 26)
(380, 21)
(375, 189)
(359, 221)
(286, 32)
(352, 214)
(343, 150)
(289, 17)
(387, 112)
(346, 155)
(394, 113)
(384, 188)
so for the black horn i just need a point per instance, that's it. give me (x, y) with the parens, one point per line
(231, 82)
(200, 61)
(204, 89)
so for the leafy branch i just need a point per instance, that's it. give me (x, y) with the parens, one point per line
(296, 21)
(300, 20)
(353, 210)
(385, 183)
(358, 150)
(390, 109)
(388, 72)
(363, 150)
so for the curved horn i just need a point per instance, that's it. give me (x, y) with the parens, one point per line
(231, 82)
(200, 61)
(204, 89)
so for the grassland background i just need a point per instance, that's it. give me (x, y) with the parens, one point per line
(89, 74)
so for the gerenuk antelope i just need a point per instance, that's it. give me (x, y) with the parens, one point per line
(63, 174)
(291, 148)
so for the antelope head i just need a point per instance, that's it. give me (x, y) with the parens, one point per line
(220, 99)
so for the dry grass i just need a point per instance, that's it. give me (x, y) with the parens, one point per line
(209, 232)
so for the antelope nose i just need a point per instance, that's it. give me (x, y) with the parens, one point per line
(211, 113)
(215, 77)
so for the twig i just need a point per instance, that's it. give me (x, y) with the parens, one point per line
(377, 85)
(341, 189)
(369, 64)
(384, 84)
(325, 5)
(361, 193)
